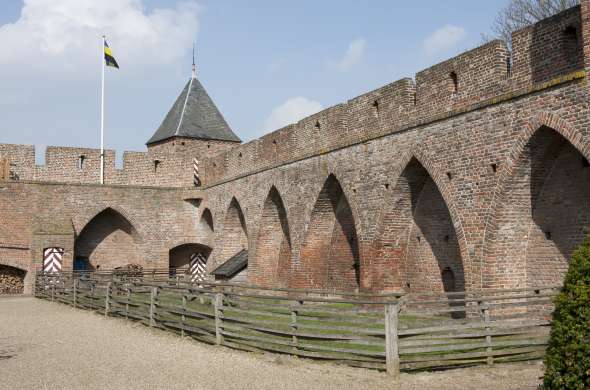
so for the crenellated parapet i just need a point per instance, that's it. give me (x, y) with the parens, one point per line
(543, 55)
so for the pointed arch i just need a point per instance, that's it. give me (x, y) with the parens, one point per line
(107, 241)
(81, 220)
(417, 246)
(330, 252)
(181, 256)
(234, 236)
(272, 262)
(542, 209)
(206, 222)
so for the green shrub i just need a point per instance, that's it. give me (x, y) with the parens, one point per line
(567, 361)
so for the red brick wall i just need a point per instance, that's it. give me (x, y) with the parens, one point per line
(545, 213)
(234, 233)
(467, 171)
(109, 240)
(329, 254)
(272, 262)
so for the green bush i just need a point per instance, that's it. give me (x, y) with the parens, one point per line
(567, 361)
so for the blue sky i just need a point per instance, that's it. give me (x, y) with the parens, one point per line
(265, 63)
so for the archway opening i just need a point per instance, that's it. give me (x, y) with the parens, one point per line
(418, 246)
(189, 260)
(543, 215)
(330, 253)
(233, 248)
(273, 247)
(108, 241)
(12, 280)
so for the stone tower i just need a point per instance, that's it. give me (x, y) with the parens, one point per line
(193, 128)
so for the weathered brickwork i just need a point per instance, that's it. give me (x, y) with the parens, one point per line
(474, 176)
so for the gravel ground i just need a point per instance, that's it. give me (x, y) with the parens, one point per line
(52, 346)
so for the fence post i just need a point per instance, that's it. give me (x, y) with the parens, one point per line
(75, 287)
(153, 297)
(127, 303)
(218, 317)
(391, 339)
(486, 318)
(294, 326)
(107, 300)
(183, 317)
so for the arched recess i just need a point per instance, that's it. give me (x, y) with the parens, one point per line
(541, 214)
(330, 253)
(12, 279)
(417, 248)
(234, 237)
(189, 258)
(273, 247)
(205, 228)
(107, 241)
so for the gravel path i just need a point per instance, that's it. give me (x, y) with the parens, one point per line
(52, 346)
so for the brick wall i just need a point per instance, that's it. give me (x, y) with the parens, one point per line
(165, 164)
(473, 176)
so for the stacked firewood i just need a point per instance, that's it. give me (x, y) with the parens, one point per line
(11, 280)
(129, 271)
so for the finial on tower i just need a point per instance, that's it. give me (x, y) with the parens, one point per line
(194, 74)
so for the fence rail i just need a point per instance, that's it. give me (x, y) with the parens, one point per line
(381, 331)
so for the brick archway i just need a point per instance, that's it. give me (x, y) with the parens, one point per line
(107, 241)
(329, 256)
(542, 208)
(417, 245)
(234, 234)
(272, 261)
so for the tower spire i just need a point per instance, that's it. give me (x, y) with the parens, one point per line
(194, 74)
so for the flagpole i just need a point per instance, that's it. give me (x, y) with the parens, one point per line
(102, 60)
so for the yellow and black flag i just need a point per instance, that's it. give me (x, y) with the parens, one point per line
(108, 56)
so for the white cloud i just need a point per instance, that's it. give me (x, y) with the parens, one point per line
(65, 34)
(444, 39)
(353, 54)
(291, 111)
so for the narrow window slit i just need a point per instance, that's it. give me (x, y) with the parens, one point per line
(455, 82)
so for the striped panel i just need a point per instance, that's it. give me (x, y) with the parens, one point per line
(196, 178)
(52, 259)
(197, 267)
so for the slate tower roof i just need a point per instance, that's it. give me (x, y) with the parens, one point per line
(194, 116)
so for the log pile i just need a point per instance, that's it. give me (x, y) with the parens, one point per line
(11, 280)
(129, 271)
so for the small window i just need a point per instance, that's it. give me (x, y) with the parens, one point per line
(570, 42)
(182, 143)
(376, 107)
(449, 175)
(455, 82)
(494, 167)
(317, 125)
(81, 161)
(156, 165)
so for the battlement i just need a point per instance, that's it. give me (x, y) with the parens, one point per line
(167, 164)
(541, 55)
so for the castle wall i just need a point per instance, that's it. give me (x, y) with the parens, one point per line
(428, 185)
(165, 164)
(111, 225)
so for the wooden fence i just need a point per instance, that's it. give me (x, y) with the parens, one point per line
(387, 332)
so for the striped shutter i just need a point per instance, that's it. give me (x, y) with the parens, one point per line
(52, 259)
(197, 267)
(196, 179)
